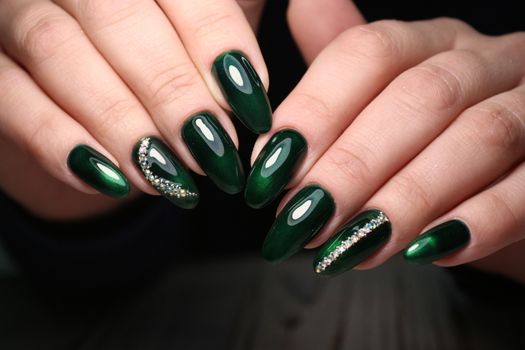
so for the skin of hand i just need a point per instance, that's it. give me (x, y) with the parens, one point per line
(411, 138)
(116, 76)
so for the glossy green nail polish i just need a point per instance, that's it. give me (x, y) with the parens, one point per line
(165, 173)
(302, 217)
(97, 171)
(243, 90)
(215, 152)
(438, 242)
(355, 242)
(274, 167)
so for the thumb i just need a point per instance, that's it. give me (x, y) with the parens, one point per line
(315, 23)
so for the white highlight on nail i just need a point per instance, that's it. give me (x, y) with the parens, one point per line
(108, 171)
(204, 129)
(301, 210)
(413, 247)
(153, 153)
(271, 161)
(236, 75)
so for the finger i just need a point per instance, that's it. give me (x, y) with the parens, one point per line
(314, 24)
(52, 47)
(492, 220)
(31, 121)
(165, 81)
(421, 103)
(340, 83)
(224, 49)
(483, 144)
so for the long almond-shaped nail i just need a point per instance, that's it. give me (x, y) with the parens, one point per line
(298, 222)
(165, 173)
(438, 242)
(97, 171)
(274, 167)
(215, 152)
(244, 91)
(357, 240)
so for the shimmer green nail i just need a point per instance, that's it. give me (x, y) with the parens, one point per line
(97, 171)
(215, 152)
(298, 222)
(438, 242)
(243, 90)
(274, 167)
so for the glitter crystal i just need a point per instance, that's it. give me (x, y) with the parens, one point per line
(359, 233)
(165, 187)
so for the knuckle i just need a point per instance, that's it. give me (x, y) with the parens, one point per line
(376, 41)
(499, 125)
(39, 32)
(412, 193)
(430, 88)
(212, 23)
(172, 84)
(314, 106)
(103, 12)
(113, 115)
(349, 164)
(454, 24)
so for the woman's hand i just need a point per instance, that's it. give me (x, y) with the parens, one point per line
(418, 127)
(98, 92)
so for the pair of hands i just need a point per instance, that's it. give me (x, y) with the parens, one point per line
(424, 121)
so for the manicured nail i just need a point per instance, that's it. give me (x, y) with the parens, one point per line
(97, 171)
(243, 90)
(165, 173)
(299, 221)
(438, 242)
(274, 167)
(215, 152)
(356, 241)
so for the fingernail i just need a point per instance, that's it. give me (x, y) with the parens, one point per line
(97, 171)
(215, 152)
(274, 167)
(165, 173)
(300, 220)
(243, 90)
(438, 242)
(356, 241)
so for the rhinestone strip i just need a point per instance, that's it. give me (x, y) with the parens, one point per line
(350, 241)
(163, 186)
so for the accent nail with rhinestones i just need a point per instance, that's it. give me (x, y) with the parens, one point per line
(355, 242)
(165, 173)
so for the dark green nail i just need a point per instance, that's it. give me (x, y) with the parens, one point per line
(244, 91)
(274, 167)
(215, 152)
(97, 171)
(299, 221)
(165, 173)
(438, 242)
(356, 241)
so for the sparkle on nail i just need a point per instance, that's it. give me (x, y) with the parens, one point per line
(165, 187)
(108, 171)
(236, 75)
(359, 233)
(301, 210)
(204, 129)
(271, 161)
